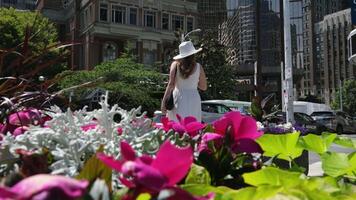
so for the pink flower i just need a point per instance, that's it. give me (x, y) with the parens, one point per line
(217, 139)
(20, 130)
(243, 130)
(151, 173)
(188, 125)
(165, 124)
(43, 187)
(88, 127)
(21, 118)
(242, 126)
(119, 131)
(26, 117)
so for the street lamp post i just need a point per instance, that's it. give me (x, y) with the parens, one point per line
(186, 35)
(288, 94)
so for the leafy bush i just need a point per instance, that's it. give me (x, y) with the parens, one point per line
(129, 84)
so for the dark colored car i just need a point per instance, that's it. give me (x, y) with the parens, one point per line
(338, 121)
(301, 119)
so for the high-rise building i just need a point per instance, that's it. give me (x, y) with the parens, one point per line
(211, 14)
(105, 27)
(19, 4)
(332, 66)
(313, 12)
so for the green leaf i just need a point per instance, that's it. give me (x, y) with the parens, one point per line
(283, 146)
(251, 193)
(345, 142)
(318, 144)
(94, 169)
(198, 175)
(144, 196)
(338, 164)
(273, 177)
(201, 190)
(209, 129)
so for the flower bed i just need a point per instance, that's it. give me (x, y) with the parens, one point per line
(82, 154)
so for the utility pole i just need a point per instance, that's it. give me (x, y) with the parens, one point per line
(340, 93)
(288, 70)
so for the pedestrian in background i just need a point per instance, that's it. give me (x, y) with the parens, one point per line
(186, 76)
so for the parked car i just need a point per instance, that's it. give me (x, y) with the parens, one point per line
(301, 119)
(338, 121)
(241, 106)
(211, 111)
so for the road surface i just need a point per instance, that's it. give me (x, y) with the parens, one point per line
(314, 159)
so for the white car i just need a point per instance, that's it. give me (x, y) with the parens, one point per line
(211, 111)
(242, 106)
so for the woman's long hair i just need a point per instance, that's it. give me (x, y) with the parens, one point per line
(186, 66)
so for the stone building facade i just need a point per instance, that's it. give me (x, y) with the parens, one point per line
(19, 4)
(106, 28)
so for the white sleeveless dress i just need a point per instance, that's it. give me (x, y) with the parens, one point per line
(186, 97)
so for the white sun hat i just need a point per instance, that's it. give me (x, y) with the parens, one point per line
(186, 49)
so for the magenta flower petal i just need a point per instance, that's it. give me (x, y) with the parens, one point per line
(247, 129)
(207, 137)
(246, 145)
(21, 118)
(178, 128)
(220, 125)
(188, 120)
(20, 130)
(119, 131)
(45, 186)
(144, 175)
(193, 128)
(179, 118)
(127, 183)
(6, 193)
(88, 127)
(110, 161)
(173, 162)
(146, 159)
(127, 152)
(211, 136)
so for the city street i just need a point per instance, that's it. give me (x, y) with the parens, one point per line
(314, 159)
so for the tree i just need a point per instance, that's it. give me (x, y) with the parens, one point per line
(16, 27)
(348, 97)
(130, 84)
(221, 75)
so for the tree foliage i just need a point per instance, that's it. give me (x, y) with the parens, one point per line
(220, 74)
(348, 97)
(129, 84)
(16, 27)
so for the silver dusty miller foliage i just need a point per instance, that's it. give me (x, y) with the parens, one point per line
(70, 146)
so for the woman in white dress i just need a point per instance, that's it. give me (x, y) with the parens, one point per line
(185, 78)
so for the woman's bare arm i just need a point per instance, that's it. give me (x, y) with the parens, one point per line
(170, 85)
(202, 85)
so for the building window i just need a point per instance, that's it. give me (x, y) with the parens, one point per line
(109, 51)
(103, 12)
(150, 18)
(165, 21)
(118, 14)
(133, 16)
(10, 1)
(177, 22)
(149, 52)
(190, 22)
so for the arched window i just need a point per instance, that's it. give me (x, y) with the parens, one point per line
(109, 51)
